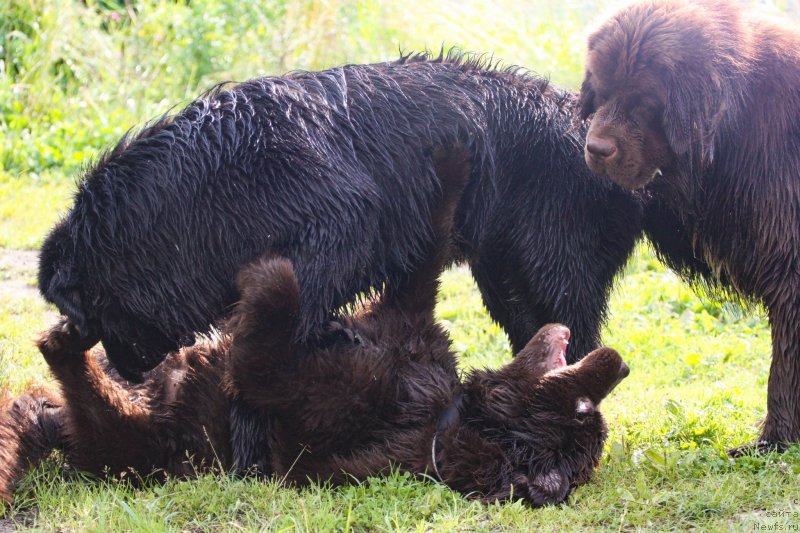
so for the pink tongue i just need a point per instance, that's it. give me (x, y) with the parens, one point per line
(556, 357)
(558, 340)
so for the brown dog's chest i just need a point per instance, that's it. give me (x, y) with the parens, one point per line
(727, 231)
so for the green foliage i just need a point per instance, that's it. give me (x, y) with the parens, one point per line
(74, 77)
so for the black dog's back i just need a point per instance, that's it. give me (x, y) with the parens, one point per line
(335, 171)
(332, 170)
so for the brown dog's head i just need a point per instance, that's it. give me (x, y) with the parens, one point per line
(541, 416)
(659, 77)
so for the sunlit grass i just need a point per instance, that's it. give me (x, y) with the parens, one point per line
(697, 387)
(30, 207)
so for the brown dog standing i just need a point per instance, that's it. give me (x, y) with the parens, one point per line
(699, 104)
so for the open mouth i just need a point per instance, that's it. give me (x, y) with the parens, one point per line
(558, 341)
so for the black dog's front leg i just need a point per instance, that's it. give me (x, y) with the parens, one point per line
(249, 430)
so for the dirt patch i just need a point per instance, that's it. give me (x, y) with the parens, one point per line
(23, 261)
(7, 526)
(18, 273)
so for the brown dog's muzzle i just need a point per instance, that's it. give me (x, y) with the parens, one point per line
(600, 153)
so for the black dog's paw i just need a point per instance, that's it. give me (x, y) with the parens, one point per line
(336, 333)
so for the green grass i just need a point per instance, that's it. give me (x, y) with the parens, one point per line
(697, 387)
(29, 207)
(75, 75)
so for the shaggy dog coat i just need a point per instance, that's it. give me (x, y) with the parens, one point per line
(335, 171)
(698, 103)
(390, 396)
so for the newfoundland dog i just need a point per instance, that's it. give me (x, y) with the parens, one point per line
(354, 408)
(698, 103)
(335, 170)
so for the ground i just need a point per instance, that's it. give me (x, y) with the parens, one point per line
(17, 270)
(697, 387)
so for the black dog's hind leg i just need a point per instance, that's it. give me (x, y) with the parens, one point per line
(249, 430)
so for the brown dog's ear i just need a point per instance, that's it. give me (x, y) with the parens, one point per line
(548, 488)
(677, 119)
(691, 117)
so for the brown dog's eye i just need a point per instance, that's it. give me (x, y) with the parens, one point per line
(588, 99)
(647, 114)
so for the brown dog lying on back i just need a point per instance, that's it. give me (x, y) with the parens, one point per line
(387, 394)
(351, 410)
(347, 412)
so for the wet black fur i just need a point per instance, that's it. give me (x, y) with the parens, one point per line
(333, 170)
(530, 430)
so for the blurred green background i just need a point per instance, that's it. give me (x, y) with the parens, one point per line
(76, 75)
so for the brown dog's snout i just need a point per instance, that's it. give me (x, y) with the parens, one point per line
(601, 148)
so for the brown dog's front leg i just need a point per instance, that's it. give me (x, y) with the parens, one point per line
(84, 384)
(782, 425)
(106, 425)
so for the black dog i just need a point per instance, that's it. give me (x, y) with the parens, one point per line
(335, 170)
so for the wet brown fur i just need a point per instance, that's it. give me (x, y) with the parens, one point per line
(345, 411)
(709, 94)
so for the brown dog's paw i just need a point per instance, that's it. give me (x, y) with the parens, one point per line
(61, 341)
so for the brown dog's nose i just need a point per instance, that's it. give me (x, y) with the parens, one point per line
(601, 148)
